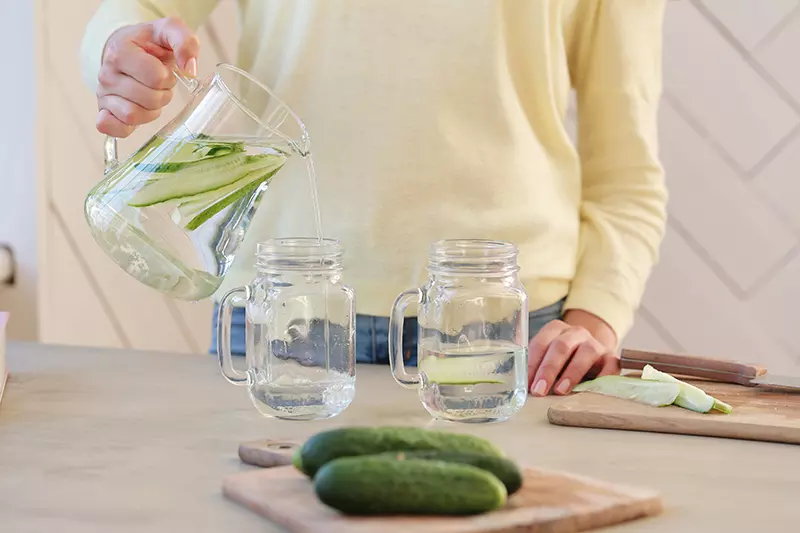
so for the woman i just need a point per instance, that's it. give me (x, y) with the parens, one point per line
(443, 119)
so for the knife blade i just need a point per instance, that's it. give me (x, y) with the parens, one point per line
(777, 380)
(721, 370)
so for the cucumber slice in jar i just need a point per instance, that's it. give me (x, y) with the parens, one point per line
(189, 178)
(690, 397)
(654, 393)
(472, 370)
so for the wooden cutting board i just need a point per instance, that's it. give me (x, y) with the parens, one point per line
(759, 413)
(549, 502)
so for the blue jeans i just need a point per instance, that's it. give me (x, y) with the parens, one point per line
(372, 334)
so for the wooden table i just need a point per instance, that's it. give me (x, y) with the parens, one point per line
(113, 441)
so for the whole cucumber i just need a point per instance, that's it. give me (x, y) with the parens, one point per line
(382, 485)
(346, 442)
(503, 469)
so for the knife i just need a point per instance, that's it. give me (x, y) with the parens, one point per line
(720, 370)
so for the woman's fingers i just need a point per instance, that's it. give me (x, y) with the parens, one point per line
(127, 112)
(110, 125)
(611, 365)
(131, 59)
(537, 348)
(589, 352)
(116, 83)
(556, 357)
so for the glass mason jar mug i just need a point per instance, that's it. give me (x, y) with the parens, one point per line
(300, 349)
(473, 333)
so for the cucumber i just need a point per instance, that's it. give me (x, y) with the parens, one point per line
(375, 485)
(174, 164)
(503, 469)
(212, 210)
(297, 459)
(655, 393)
(690, 397)
(471, 370)
(196, 210)
(195, 177)
(343, 442)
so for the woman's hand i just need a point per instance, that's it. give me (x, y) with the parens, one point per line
(565, 351)
(135, 80)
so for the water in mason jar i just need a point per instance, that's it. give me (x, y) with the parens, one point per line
(476, 381)
(306, 373)
(182, 206)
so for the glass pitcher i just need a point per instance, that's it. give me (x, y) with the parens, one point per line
(174, 213)
(473, 333)
(300, 331)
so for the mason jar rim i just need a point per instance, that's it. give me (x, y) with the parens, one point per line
(483, 256)
(299, 253)
(472, 247)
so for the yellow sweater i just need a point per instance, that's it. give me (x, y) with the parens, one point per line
(445, 119)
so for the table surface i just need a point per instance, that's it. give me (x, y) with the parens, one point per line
(112, 441)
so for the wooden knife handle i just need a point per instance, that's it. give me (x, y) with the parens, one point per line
(692, 365)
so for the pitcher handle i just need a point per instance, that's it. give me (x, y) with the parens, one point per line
(224, 336)
(110, 156)
(396, 338)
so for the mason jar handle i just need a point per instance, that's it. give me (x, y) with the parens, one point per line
(396, 338)
(224, 336)
(110, 156)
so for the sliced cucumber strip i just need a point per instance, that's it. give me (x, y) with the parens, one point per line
(690, 397)
(470, 370)
(190, 207)
(234, 194)
(188, 155)
(655, 393)
(203, 175)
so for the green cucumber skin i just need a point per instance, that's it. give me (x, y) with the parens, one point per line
(206, 214)
(722, 407)
(297, 459)
(374, 485)
(502, 468)
(215, 208)
(186, 183)
(169, 167)
(353, 441)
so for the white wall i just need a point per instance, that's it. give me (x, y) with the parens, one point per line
(18, 200)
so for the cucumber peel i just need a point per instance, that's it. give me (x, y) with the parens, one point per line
(690, 397)
(654, 393)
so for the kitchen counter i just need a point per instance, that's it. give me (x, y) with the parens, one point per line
(113, 441)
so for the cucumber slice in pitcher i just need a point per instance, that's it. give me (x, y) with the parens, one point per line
(654, 393)
(200, 176)
(204, 212)
(190, 207)
(690, 397)
(201, 153)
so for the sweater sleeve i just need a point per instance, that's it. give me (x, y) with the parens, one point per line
(114, 14)
(615, 67)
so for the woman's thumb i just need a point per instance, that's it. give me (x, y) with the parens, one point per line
(172, 33)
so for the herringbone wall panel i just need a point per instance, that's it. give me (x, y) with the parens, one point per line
(730, 141)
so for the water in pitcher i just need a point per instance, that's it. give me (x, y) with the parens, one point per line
(174, 214)
(479, 381)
